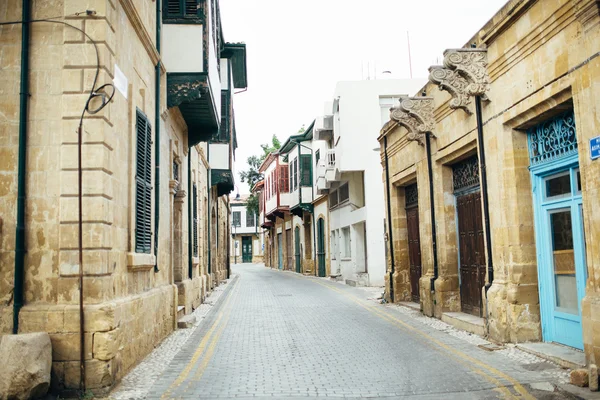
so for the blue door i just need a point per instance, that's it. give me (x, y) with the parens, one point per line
(561, 253)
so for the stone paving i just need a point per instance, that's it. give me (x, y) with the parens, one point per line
(281, 335)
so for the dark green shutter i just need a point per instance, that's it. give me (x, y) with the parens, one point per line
(305, 170)
(181, 8)
(143, 185)
(195, 215)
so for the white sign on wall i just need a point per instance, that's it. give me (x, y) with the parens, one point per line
(120, 81)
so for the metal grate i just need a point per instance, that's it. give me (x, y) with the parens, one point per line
(465, 174)
(175, 171)
(553, 139)
(411, 195)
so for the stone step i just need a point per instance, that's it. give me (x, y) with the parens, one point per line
(564, 356)
(180, 312)
(187, 321)
(351, 282)
(465, 322)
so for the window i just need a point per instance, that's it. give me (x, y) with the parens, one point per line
(333, 199)
(317, 156)
(347, 242)
(181, 9)
(143, 185)
(237, 216)
(284, 178)
(344, 193)
(294, 174)
(249, 219)
(195, 220)
(305, 170)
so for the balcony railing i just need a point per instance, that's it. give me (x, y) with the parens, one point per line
(330, 159)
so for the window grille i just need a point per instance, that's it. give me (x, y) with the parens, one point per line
(344, 193)
(237, 217)
(465, 174)
(143, 183)
(333, 199)
(552, 139)
(411, 195)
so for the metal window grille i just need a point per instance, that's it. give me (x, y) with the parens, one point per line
(333, 199)
(237, 216)
(143, 185)
(465, 174)
(344, 193)
(411, 195)
(553, 139)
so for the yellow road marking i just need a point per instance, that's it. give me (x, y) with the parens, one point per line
(467, 359)
(200, 350)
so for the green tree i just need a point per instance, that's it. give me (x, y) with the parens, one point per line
(252, 175)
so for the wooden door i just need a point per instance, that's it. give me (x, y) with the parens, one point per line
(288, 246)
(280, 251)
(297, 250)
(472, 253)
(414, 252)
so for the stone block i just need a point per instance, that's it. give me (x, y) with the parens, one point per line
(593, 378)
(65, 346)
(27, 361)
(106, 344)
(580, 377)
(98, 318)
(98, 374)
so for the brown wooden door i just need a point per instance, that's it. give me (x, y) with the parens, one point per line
(414, 251)
(472, 253)
(288, 245)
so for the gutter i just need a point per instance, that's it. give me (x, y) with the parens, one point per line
(389, 219)
(157, 136)
(432, 209)
(22, 169)
(208, 215)
(190, 219)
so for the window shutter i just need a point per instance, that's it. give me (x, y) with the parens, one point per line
(305, 170)
(195, 221)
(284, 179)
(143, 181)
(173, 8)
(191, 8)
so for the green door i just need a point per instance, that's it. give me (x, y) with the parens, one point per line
(297, 250)
(246, 249)
(321, 246)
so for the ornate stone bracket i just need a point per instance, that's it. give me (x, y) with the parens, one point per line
(452, 82)
(471, 64)
(416, 115)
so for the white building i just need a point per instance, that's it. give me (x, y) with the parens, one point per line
(349, 171)
(246, 238)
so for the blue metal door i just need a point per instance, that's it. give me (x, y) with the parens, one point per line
(561, 253)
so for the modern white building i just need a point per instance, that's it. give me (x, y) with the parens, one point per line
(349, 171)
(246, 238)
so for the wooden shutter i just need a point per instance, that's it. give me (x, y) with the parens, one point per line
(284, 179)
(143, 183)
(305, 170)
(191, 8)
(173, 8)
(195, 221)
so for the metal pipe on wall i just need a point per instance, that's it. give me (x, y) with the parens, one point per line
(389, 217)
(484, 189)
(190, 218)
(157, 137)
(432, 211)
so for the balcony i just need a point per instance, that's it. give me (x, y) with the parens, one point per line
(327, 172)
(323, 129)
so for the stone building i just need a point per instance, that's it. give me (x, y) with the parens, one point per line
(156, 171)
(500, 151)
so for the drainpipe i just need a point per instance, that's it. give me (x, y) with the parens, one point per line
(432, 208)
(484, 189)
(208, 214)
(229, 243)
(190, 219)
(389, 215)
(157, 137)
(22, 169)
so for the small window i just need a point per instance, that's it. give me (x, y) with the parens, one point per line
(558, 185)
(143, 185)
(344, 193)
(249, 219)
(333, 199)
(237, 217)
(578, 177)
(347, 242)
(305, 170)
(317, 156)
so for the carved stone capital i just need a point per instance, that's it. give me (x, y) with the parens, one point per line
(452, 82)
(471, 64)
(416, 115)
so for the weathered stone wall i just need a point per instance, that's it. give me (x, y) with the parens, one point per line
(541, 59)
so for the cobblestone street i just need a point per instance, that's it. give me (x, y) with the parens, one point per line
(281, 335)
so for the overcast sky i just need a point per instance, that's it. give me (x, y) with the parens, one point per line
(298, 50)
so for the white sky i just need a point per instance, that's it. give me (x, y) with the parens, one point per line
(298, 50)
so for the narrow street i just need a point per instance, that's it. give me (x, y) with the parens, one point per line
(281, 335)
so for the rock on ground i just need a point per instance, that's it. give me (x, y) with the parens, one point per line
(26, 363)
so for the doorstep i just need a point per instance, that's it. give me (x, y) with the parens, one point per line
(564, 356)
(465, 322)
(411, 305)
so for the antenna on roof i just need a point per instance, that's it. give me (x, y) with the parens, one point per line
(409, 59)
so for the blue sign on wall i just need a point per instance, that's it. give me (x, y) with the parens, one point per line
(595, 147)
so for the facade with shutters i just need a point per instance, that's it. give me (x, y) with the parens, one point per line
(246, 241)
(157, 168)
(513, 196)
